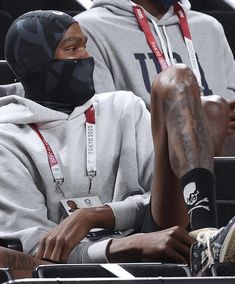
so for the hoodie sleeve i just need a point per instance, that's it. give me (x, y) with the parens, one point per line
(229, 64)
(23, 212)
(12, 89)
(90, 252)
(134, 206)
(220, 66)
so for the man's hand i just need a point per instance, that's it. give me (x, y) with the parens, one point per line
(170, 245)
(60, 241)
(231, 130)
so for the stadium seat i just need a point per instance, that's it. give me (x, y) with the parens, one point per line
(11, 243)
(161, 280)
(72, 271)
(5, 275)
(6, 74)
(209, 5)
(5, 22)
(157, 269)
(223, 269)
(199, 280)
(10, 10)
(225, 188)
(17, 7)
(124, 270)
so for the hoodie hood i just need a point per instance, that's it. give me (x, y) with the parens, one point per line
(124, 8)
(18, 110)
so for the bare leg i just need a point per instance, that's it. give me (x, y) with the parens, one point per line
(217, 114)
(20, 264)
(181, 140)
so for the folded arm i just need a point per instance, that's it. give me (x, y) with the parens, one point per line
(58, 243)
(170, 245)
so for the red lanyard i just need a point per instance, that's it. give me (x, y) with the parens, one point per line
(143, 22)
(144, 25)
(183, 20)
(53, 163)
(91, 153)
(179, 11)
(91, 145)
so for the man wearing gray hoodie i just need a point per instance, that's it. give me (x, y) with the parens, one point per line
(47, 52)
(63, 142)
(126, 61)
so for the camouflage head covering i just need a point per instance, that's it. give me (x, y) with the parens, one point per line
(32, 39)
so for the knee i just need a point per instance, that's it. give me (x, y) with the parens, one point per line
(177, 80)
(217, 113)
(217, 110)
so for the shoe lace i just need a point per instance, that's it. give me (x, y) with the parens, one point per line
(205, 237)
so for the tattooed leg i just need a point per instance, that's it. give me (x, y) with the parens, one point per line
(20, 264)
(190, 145)
(181, 140)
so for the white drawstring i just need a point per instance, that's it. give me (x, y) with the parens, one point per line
(169, 46)
(163, 46)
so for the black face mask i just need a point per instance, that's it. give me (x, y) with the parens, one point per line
(61, 81)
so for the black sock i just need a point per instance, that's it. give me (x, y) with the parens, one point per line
(198, 186)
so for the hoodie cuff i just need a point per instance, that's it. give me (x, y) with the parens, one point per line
(127, 208)
(97, 252)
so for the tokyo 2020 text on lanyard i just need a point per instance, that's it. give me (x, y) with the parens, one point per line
(144, 25)
(56, 171)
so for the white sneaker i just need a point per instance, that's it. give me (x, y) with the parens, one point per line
(212, 246)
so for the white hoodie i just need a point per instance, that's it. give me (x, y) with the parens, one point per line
(29, 205)
(124, 60)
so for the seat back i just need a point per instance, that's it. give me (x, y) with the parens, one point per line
(5, 275)
(72, 271)
(11, 243)
(160, 280)
(6, 74)
(157, 269)
(223, 269)
(225, 188)
(123, 270)
(209, 5)
(5, 22)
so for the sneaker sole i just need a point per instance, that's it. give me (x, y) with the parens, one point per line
(227, 252)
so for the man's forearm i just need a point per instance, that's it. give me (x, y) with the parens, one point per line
(124, 249)
(100, 217)
(170, 245)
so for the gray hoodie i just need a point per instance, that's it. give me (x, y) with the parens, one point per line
(29, 205)
(124, 60)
